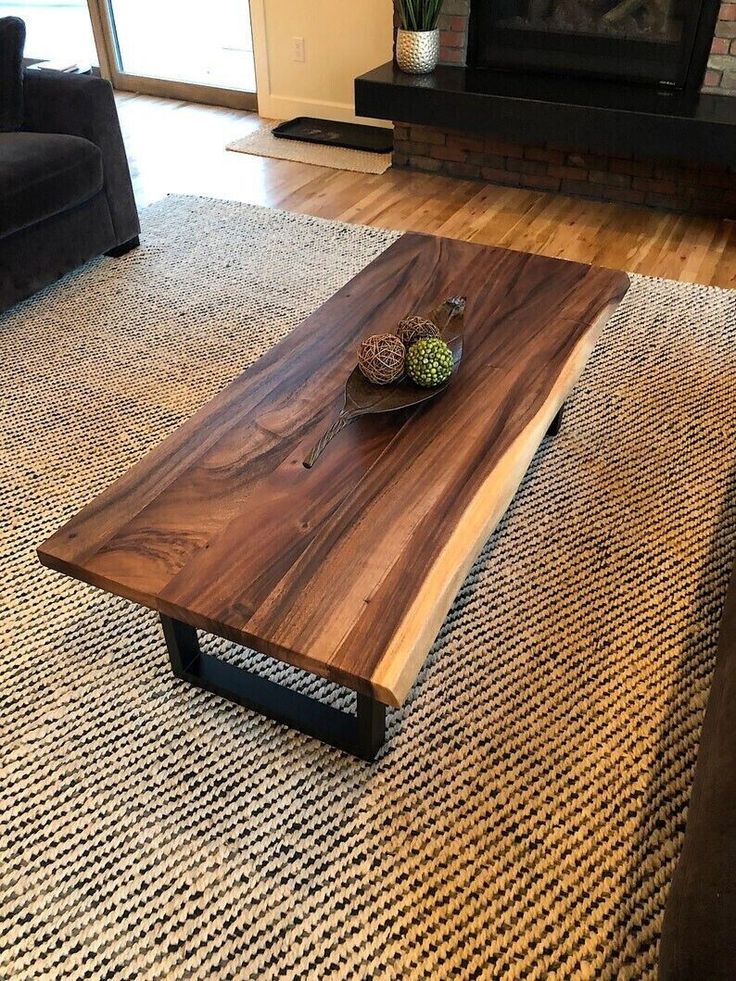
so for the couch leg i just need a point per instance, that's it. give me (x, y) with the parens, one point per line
(121, 250)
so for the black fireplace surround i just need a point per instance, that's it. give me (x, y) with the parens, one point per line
(662, 42)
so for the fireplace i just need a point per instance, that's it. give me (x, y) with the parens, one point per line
(516, 101)
(644, 41)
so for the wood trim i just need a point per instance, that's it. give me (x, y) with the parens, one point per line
(275, 106)
(98, 32)
(186, 91)
(259, 34)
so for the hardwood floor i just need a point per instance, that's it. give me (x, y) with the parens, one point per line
(177, 147)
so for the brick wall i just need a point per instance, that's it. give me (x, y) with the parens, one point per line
(567, 170)
(721, 74)
(454, 31)
(671, 185)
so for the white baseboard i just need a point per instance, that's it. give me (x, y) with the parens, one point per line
(282, 107)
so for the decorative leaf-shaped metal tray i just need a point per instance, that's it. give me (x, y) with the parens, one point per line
(364, 398)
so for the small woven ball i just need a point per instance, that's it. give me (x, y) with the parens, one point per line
(413, 329)
(429, 362)
(381, 358)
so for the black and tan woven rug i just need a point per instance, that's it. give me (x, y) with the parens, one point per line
(526, 815)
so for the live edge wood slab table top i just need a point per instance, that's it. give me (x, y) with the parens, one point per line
(347, 569)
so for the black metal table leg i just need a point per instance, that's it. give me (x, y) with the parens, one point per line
(554, 426)
(361, 734)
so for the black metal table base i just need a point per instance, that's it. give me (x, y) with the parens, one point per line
(362, 734)
(554, 426)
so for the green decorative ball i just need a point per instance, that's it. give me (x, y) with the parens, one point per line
(429, 362)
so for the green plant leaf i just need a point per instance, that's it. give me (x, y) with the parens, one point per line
(419, 15)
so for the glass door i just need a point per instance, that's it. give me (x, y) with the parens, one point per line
(56, 30)
(182, 50)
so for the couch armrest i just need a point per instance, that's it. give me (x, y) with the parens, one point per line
(83, 105)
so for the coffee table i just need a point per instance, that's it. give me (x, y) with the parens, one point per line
(346, 570)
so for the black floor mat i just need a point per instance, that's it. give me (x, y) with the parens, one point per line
(351, 136)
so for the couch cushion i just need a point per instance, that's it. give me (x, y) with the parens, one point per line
(12, 41)
(42, 174)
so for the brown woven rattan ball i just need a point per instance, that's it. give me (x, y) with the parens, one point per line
(381, 358)
(413, 329)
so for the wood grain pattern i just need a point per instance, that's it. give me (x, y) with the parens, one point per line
(349, 568)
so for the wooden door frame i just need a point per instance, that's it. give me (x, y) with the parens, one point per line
(100, 13)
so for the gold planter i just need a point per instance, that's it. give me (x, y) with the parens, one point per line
(417, 52)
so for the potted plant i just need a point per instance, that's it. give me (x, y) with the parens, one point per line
(418, 39)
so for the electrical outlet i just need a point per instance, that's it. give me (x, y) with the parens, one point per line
(298, 50)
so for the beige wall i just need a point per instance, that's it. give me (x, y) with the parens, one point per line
(342, 39)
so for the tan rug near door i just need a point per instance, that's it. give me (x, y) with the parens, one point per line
(262, 143)
(526, 814)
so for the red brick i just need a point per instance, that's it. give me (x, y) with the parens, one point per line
(543, 154)
(609, 179)
(569, 173)
(487, 160)
(562, 147)
(498, 176)
(426, 163)
(528, 166)
(426, 134)
(582, 188)
(451, 56)
(504, 149)
(654, 186)
(401, 132)
(458, 24)
(703, 193)
(716, 178)
(475, 143)
(712, 79)
(671, 172)
(453, 39)
(448, 153)
(669, 184)
(668, 201)
(623, 195)
(462, 170)
(588, 161)
(728, 11)
(636, 168)
(461, 8)
(540, 182)
(720, 46)
(414, 147)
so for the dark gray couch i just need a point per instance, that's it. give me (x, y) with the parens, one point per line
(65, 190)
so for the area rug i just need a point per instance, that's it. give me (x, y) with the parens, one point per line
(262, 143)
(526, 815)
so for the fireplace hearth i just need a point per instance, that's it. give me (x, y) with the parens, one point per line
(663, 42)
(541, 96)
